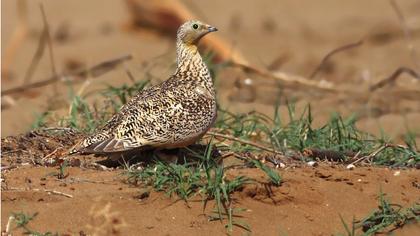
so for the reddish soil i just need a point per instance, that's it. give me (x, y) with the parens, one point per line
(309, 202)
(102, 202)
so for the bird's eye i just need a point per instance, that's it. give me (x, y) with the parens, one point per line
(195, 26)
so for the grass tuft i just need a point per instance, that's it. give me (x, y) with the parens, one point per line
(206, 178)
(385, 219)
(338, 135)
(273, 175)
(22, 220)
(183, 180)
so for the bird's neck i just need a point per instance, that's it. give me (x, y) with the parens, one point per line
(191, 69)
(188, 58)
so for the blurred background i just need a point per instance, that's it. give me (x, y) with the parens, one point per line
(283, 38)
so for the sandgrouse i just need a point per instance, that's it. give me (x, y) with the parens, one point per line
(172, 114)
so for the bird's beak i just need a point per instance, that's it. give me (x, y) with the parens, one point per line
(211, 28)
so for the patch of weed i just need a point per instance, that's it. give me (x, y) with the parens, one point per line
(22, 220)
(61, 172)
(206, 178)
(387, 218)
(388, 215)
(273, 175)
(183, 180)
(251, 126)
(40, 120)
(123, 93)
(86, 118)
(337, 135)
(233, 218)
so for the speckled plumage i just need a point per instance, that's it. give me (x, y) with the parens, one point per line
(172, 114)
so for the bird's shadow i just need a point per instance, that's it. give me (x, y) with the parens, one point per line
(191, 154)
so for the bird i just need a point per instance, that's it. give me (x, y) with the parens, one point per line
(173, 114)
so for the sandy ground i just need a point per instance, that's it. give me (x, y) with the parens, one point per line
(294, 34)
(307, 203)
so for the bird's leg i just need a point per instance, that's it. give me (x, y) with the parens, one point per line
(167, 155)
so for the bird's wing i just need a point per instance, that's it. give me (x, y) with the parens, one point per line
(141, 123)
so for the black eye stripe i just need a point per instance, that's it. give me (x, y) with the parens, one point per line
(195, 26)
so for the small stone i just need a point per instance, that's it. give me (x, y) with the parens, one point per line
(350, 167)
(281, 165)
(312, 163)
(397, 173)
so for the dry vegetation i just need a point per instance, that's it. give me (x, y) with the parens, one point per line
(257, 171)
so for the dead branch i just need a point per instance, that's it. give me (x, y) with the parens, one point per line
(7, 101)
(393, 77)
(58, 193)
(79, 93)
(51, 191)
(407, 33)
(379, 150)
(332, 53)
(48, 40)
(81, 180)
(44, 39)
(65, 129)
(51, 153)
(18, 36)
(93, 72)
(373, 154)
(288, 78)
(167, 15)
(259, 146)
(36, 58)
(9, 225)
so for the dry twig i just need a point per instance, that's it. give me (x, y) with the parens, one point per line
(407, 33)
(51, 191)
(259, 146)
(393, 77)
(66, 129)
(48, 39)
(19, 35)
(52, 153)
(36, 57)
(81, 180)
(332, 53)
(44, 39)
(288, 78)
(93, 71)
(58, 193)
(374, 153)
(49, 44)
(9, 224)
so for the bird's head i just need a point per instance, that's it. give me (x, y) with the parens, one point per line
(192, 31)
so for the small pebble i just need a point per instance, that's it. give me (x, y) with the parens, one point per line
(397, 173)
(350, 167)
(312, 163)
(281, 165)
